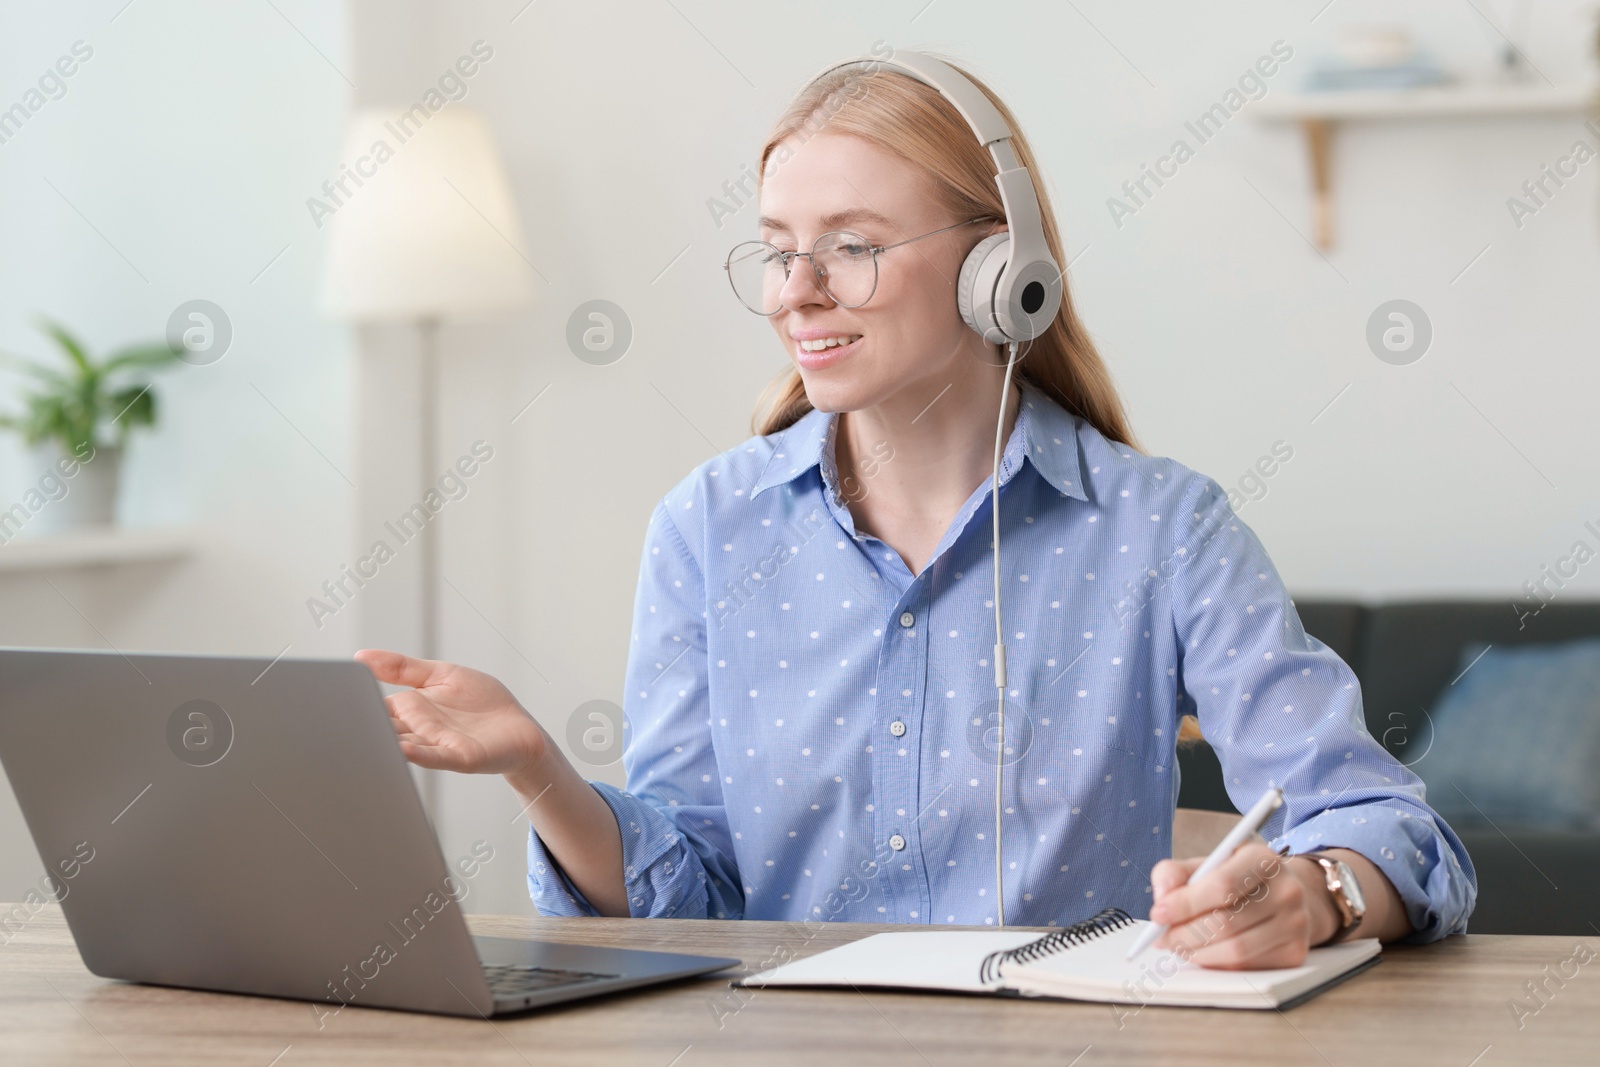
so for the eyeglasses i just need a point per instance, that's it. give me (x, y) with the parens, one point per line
(845, 265)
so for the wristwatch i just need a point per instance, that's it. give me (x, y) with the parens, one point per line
(1345, 892)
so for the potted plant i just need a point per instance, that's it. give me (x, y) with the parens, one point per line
(78, 419)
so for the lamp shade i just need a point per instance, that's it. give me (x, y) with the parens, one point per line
(422, 221)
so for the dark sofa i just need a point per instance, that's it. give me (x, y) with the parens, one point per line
(1530, 880)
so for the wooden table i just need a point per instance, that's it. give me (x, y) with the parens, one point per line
(1447, 1003)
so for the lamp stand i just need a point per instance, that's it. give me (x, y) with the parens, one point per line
(428, 387)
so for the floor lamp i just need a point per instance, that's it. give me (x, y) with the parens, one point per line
(422, 227)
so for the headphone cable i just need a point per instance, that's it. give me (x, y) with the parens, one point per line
(999, 639)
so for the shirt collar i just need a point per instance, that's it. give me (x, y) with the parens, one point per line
(1047, 433)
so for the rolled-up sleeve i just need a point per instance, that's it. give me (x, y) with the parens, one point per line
(676, 851)
(1282, 709)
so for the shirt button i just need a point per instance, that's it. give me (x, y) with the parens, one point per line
(897, 728)
(897, 842)
(907, 619)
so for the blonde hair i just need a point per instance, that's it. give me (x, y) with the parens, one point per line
(914, 121)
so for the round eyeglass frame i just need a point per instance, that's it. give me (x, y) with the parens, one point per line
(788, 259)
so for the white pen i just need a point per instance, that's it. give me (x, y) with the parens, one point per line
(1252, 821)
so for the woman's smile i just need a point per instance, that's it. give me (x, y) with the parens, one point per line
(819, 347)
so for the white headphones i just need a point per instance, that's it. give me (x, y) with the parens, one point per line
(1010, 285)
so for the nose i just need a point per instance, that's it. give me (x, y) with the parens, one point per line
(801, 288)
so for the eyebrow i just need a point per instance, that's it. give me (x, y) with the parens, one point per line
(835, 219)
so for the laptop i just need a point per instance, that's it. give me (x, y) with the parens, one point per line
(250, 826)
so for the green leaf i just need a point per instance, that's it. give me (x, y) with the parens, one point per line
(139, 356)
(133, 406)
(70, 345)
(32, 367)
(50, 416)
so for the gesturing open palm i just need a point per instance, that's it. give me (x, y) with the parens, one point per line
(454, 718)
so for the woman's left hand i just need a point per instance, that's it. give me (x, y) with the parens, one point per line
(1255, 910)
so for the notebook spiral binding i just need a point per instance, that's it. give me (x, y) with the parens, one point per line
(1066, 937)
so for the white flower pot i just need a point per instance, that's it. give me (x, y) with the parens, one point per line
(89, 498)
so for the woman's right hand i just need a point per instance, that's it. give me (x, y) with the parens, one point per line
(454, 718)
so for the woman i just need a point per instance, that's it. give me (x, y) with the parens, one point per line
(810, 698)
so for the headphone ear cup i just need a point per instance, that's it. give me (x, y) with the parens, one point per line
(975, 287)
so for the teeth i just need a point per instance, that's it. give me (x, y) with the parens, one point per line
(827, 342)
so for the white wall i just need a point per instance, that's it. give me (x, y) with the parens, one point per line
(197, 131)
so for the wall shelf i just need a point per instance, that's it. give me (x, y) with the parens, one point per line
(1318, 114)
(108, 546)
(1429, 102)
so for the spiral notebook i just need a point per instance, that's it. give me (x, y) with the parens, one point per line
(1084, 961)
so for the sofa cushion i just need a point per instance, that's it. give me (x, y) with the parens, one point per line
(1410, 652)
(1516, 738)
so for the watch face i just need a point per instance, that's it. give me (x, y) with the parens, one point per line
(1351, 888)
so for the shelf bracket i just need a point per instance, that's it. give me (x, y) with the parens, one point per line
(1319, 137)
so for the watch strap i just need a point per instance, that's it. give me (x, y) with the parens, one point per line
(1334, 873)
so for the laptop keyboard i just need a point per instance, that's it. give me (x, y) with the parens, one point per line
(513, 980)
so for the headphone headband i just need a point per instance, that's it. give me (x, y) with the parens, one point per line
(1010, 292)
(985, 119)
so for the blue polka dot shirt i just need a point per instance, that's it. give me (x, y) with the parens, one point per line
(811, 730)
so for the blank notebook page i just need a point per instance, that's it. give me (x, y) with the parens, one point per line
(922, 959)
